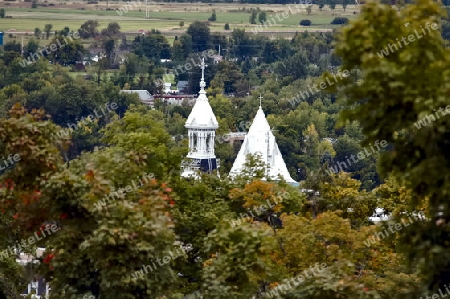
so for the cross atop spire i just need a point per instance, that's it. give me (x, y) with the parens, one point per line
(260, 98)
(202, 81)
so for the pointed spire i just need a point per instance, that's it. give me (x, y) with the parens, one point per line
(260, 139)
(260, 98)
(202, 81)
(202, 115)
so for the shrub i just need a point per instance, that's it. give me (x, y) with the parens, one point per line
(305, 22)
(227, 26)
(339, 21)
(213, 17)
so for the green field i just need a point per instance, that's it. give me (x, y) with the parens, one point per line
(26, 19)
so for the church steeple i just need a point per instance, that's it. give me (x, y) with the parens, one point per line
(261, 140)
(201, 125)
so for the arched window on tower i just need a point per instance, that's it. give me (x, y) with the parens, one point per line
(194, 141)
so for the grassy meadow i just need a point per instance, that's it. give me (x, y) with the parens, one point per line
(164, 17)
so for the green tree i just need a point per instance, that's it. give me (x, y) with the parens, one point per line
(89, 29)
(132, 66)
(296, 69)
(227, 26)
(181, 24)
(262, 17)
(332, 4)
(177, 51)
(394, 197)
(140, 142)
(10, 95)
(415, 153)
(311, 143)
(243, 45)
(237, 280)
(11, 278)
(213, 17)
(253, 16)
(69, 54)
(16, 192)
(31, 47)
(13, 46)
(65, 31)
(154, 46)
(101, 65)
(221, 105)
(186, 44)
(47, 29)
(147, 235)
(345, 148)
(200, 34)
(2, 13)
(109, 46)
(227, 76)
(37, 32)
(344, 4)
(321, 4)
(343, 193)
(111, 31)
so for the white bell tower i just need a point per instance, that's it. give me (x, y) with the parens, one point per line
(202, 125)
